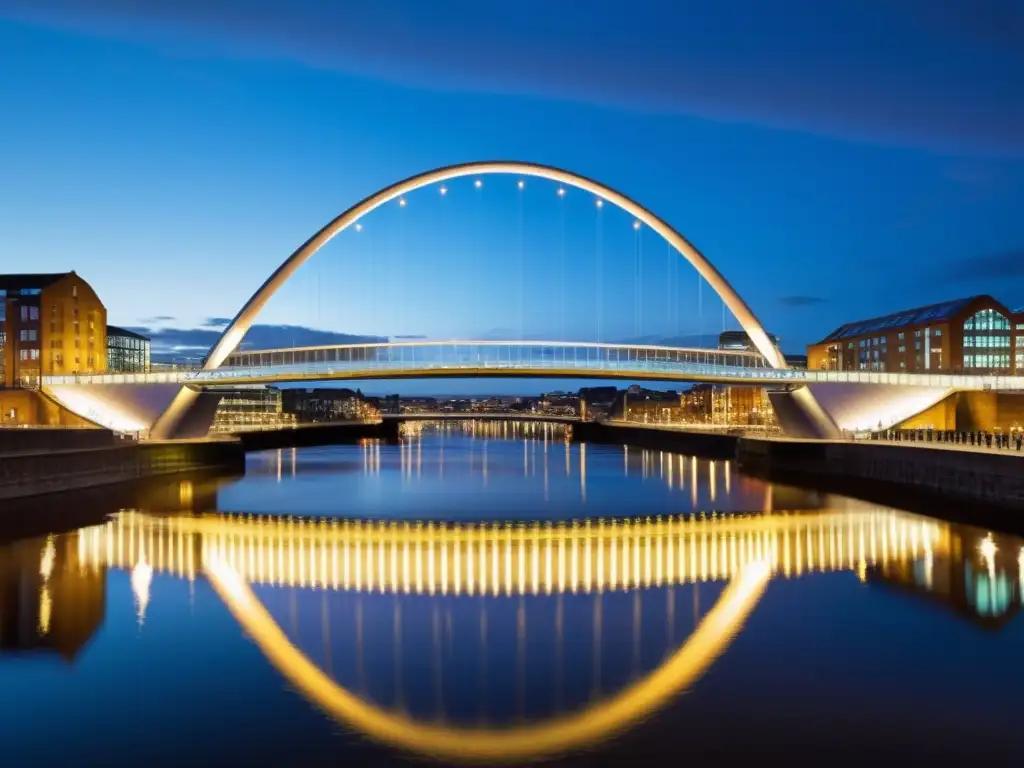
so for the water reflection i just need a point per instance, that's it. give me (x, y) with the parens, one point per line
(510, 599)
(493, 641)
(511, 461)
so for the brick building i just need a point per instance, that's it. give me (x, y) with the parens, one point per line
(977, 334)
(49, 325)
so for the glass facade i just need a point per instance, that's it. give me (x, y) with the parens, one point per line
(987, 341)
(127, 352)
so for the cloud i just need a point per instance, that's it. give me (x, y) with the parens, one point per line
(801, 301)
(170, 343)
(907, 73)
(1005, 265)
(217, 322)
(157, 319)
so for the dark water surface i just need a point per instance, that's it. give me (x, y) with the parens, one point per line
(494, 593)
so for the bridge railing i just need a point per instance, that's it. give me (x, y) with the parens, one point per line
(438, 358)
(493, 352)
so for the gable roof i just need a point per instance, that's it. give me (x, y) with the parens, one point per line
(932, 313)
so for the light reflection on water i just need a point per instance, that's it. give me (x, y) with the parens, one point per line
(470, 634)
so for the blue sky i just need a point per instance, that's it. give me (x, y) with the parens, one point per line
(834, 161)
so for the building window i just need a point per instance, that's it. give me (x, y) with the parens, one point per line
(991, 331)
(937, 332)
(902, 348)
(987, 320)
(29, 334)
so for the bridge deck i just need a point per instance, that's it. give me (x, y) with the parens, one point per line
(523, 359)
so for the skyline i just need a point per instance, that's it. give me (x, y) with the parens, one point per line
(203, 152)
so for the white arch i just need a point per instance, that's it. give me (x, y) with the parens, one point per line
(232, 336)
(234, 333)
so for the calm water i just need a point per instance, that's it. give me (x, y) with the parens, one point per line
(477, 594)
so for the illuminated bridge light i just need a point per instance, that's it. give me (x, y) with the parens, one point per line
(506, 559)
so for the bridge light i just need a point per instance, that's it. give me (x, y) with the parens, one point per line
(600, 202)
(444, 190)
(359, 227)
(636, 225)
(478, 183)
(561, 191)
(401, 202)
(521, 184)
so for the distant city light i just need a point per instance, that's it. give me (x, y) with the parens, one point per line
(478, 183)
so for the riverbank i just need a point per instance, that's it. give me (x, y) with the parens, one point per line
(34, 473)
(917, 476)
(921, 475)
(707, 444)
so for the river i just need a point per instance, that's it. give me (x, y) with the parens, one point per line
(492, 593)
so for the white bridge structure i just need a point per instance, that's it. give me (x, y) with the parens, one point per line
(807, 403)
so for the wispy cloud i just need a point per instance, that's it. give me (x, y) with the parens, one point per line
(157, 320)
(912, 72)
(800, 300)
(216, 322)
(169, 343)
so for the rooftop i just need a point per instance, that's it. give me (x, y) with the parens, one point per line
(933, 313)
(113, 330)
(20, 282)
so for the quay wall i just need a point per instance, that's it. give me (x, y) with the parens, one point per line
(28, 474)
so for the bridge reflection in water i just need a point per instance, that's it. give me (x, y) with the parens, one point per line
(442, 598)
(564, 576)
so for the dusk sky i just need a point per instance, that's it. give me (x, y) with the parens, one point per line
(834, 160)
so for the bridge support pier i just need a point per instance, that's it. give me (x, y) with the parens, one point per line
(801, 415)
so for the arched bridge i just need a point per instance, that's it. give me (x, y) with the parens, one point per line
(809, 404)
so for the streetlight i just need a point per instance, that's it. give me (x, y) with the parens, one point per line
(478, 183)
(561, 191)
(600, 203)
(444, 190)
(521, 184)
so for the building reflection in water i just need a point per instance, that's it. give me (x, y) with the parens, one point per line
(51, 600)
